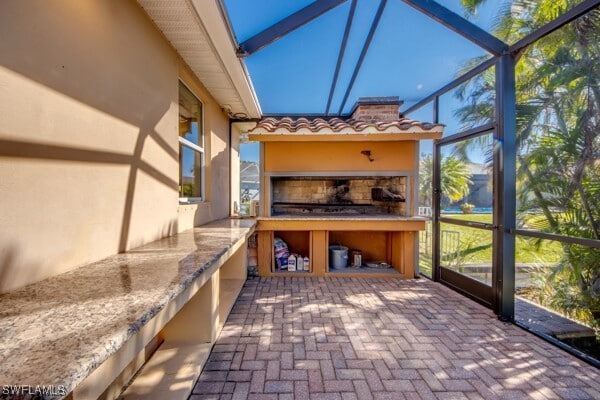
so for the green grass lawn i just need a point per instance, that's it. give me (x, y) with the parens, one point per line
(476, 244)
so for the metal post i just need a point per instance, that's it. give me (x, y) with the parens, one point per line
(505, 147)
(436, 201)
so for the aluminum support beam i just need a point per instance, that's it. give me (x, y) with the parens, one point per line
(341, 54)
(467, 223)
(503, 272)
(435, 198)
(559, 238)
(461, 79)
(363, 53)
(468, 134)
(574, 13)
(286, 25)
(435, 223)
(460, 25)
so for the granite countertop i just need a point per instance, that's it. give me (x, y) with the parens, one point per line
(57, 331)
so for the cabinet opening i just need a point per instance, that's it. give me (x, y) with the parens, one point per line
(376, 250)
(287, 243)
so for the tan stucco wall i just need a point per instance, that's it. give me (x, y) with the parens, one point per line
(339, 156)
(88, 137)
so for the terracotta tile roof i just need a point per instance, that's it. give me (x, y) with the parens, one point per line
(319, 126)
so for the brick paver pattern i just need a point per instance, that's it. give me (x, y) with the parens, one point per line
(323, 338)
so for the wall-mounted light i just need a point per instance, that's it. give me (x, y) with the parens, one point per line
(367, 153)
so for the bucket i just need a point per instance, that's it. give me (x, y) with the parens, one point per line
(338, 257)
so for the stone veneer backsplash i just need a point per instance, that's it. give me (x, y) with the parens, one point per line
(333, 191)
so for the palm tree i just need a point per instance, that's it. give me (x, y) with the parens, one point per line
(558, 135)
(455, 179)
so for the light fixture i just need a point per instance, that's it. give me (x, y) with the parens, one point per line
(367, 153)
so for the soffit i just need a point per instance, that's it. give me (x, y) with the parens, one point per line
(197, 31)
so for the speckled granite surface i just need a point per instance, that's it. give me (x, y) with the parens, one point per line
(56, 332)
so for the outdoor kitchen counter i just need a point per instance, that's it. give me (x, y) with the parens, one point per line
(379, 222)
(58, 331)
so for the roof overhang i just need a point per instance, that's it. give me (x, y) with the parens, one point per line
(199, 32)
(342, 130)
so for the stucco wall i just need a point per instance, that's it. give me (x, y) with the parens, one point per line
(339, 156)
(88, 137)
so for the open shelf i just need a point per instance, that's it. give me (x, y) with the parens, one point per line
(173, 369)
(232, 276)
(298, 242)
(229, 289)
(375, 246)
(170, 374)
(386, 240)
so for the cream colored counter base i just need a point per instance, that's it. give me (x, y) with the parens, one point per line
(174, 368)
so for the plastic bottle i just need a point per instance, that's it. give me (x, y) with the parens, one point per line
(291, 263)
(306, 263)
(299, 263)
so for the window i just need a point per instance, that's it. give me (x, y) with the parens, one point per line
(191, 145)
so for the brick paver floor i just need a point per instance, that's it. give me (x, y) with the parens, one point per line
(324, 338)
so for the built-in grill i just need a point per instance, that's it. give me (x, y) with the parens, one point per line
(279, 209)
(314, 195)
(346, 184)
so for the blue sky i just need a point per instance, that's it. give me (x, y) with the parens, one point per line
(410, 56)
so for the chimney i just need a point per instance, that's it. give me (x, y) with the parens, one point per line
(377, 109)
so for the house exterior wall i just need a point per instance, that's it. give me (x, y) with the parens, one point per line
(89, 137)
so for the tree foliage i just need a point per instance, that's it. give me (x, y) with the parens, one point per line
(558, 135)
(455, 179)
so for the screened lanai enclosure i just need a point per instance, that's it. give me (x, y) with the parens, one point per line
(308, 199)
(511, 192)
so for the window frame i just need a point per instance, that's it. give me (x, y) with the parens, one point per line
(198, 148)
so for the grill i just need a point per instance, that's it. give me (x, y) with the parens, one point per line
(279, 209)
(337, 196)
